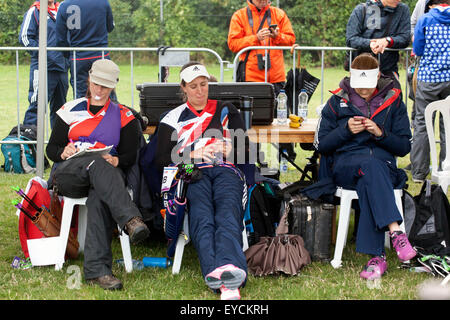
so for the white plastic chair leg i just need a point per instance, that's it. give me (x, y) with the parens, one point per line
(398, 201)
(126, 250)
(244, 239)
(183, 239)
(69, 204)
(344, 218)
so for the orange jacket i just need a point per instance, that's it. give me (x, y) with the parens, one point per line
(241, 35)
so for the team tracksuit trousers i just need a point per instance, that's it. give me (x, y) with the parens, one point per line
(374, 181)
(216, 214)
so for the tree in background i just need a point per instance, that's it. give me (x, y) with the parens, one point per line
(202, 23)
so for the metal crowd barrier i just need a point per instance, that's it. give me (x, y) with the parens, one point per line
(306, 48)
(221, 62)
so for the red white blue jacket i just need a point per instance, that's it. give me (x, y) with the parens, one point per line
(184, 129)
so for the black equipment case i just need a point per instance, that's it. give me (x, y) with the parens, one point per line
(312, 220)
(156, 98)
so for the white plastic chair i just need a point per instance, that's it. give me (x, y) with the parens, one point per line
(183, 239)
(69, 204)
(441, 177)
(346, 197)
(51, 250)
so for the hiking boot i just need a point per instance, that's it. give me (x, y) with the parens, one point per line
(107, 282)
(402, 246)
(137, 230)
(375, 268)
(228, 294)
(228, 275)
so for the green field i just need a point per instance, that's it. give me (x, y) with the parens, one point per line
(318, 281)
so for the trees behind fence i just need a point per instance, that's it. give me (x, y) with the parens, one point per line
(201, 23)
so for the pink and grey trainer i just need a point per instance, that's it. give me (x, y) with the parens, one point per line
(228, 275)
(375, 268)
(402, 246)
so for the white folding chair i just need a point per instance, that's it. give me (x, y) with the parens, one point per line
(441, 177)
(345, 206)
(183, 239)
(69, 204)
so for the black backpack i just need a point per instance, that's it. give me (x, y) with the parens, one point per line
(427, 221)
(262, 212)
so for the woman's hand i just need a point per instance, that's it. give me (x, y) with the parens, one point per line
(114, 161)
(69, 150)
(372, 127)
(208, 152)
(356, 124)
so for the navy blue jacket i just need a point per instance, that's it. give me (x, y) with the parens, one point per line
(84, 23)
(29, 37)
(361, 28)
(334, 137)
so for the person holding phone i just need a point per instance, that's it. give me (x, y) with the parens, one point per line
(260, 24)
(205, 132)
(363, 127)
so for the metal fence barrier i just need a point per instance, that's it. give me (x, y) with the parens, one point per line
(174, 57)
(306, 48)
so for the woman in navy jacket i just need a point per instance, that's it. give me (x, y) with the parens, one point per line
(363, 127)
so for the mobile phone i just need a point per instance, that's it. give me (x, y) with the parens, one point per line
(273, 26)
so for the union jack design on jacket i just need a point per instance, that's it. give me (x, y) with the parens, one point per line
(198, 129)
(185, 129)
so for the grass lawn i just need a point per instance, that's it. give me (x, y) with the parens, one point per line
(318, 281)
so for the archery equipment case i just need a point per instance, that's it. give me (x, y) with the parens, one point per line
(157, 98)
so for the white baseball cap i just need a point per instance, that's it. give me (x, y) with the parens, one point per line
(364, 78)
(192, 72)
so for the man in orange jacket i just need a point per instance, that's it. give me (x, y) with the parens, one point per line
(251, 26)
(253, 30)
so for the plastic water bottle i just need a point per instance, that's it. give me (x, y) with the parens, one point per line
(303, 104)
(156, 262)
(137, 264)
(284, 164)
(282, 108)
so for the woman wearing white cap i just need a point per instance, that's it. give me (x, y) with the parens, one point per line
(95, 122)
(363, 127)
(200, 131)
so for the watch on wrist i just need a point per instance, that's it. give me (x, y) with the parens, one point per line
(390, 41)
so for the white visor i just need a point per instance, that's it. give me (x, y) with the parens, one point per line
(192, 72)
(364, 78)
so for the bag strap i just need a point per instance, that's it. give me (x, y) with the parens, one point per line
(250, 21)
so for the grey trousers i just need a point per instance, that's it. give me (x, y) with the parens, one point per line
(108, 203)
(426, 93)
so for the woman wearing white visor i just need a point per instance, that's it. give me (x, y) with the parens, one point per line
(363, 127)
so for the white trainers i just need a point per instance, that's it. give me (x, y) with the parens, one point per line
(228, 294)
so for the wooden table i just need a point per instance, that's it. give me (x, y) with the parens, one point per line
(275, 133)
(284, 134)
